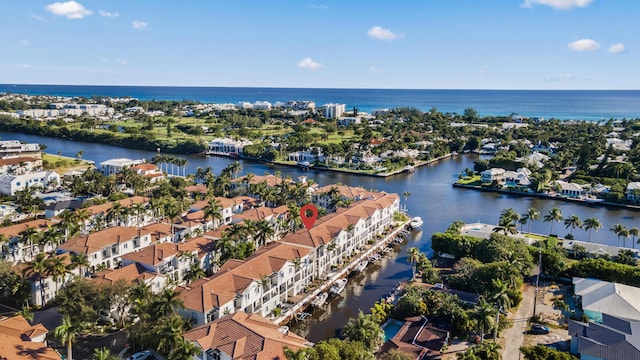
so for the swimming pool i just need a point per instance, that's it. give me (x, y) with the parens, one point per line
(391, 328)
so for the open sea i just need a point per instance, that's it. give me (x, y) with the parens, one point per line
(590, 105)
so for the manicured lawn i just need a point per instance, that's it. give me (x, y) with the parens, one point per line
(473, 180)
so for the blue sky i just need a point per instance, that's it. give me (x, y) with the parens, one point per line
(423, 44)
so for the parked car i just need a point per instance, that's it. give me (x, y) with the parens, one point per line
(539, 329)
(142, 355)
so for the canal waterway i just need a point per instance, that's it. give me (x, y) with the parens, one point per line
(432, 197)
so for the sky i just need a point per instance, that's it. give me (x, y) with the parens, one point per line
(409, 44)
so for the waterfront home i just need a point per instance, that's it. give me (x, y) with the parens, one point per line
(595, 249)
(150, 171)
(132, 211)
(517, 179)
(227, 146)
(328, 196)
(275, 217)
(633, 192)
(349, 120)
(105, 247)
(306, 156)
(337, 236)
(571, 190)
(18, 249)
(612, 338)
(20, 165)
(599, 297)
(43, 286)
(21, 340)
(490, 175)
(259, 284)
(14, 148)
(115, 166)
(42, 180)
(244, 336)
(535, 159)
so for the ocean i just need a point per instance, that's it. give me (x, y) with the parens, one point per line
(592, 105)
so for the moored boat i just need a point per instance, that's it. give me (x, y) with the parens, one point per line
(320, 299)
(361, 266)
(416, 222)
(338, 286)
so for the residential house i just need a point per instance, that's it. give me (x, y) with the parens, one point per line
(115, 166)
(44, 287)
(244, 336)
(418, 339)
(18, 250)
(602, 297)
(43, 180)
(14, 148)
(20, 165)
(105, 247)
(338, 235)
(633, 192)
(259, 284)
(349, 120)
(518, 178)
(21, 340)
(490, 175)
(328, 196)
(227, 146)
(119, 213)
(150, 171)
(571, 190)
(613, 338)
(536, 159)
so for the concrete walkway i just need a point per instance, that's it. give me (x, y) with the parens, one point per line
(514, 336)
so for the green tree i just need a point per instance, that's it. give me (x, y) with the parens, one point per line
(484, 316)
(573, 222)
(620, 231)
(66, 333)
(533, 214)
(364, 329)
(592, 223)
(552, 216)
(542, 352)
(103, 354)
(414, 256)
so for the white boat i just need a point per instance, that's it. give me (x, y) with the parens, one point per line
(416, 222)
(338, 286)
(361, 266)
(320, 299)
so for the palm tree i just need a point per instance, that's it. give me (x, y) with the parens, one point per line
(79, 261)
(169, 331)
(406, 195)
(263, 232)
(103, 354)
(300, 354)
(533, 214)
(213, 211)
(183, 350)
(500, 294)
(506, 225)
(633, 232)
(166, 302)
(66, 333)
(363, 329)
(573, 222)
(30, 236)
(554, 215)
(510, 214)
(195, 272)
(484, 316)
(524, 219)
(620, 231)
(56, 268)
(592, 223)
(414, 257)
(39, 266)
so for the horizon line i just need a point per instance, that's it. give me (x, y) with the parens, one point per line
(310, 88)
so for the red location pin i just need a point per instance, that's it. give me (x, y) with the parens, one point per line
(309, 215)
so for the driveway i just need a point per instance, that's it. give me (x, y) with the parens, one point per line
(514, 336)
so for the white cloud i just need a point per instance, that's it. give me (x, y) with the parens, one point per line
(313, 6)
(25, 43)
(584, 45)
(36, 17)
(108, 14)
(617, 48)
(69, 9)
(139, 25)
(121, 62)
(307, 63)
(562, 77)
(381, 33)
(557, 4)
(484, 72)
(374, 69)
(25, 66)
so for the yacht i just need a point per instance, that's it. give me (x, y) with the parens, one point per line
(338, 286)
(416, 222)
(361, 266)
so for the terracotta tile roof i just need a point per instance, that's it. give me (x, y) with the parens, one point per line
(131, 273)
(245, 336)
(17, 160)
(255, 214)
(26, 268)
(103, 208)
(350, 192)
(199, 205)
(418, 338)
(200, 188)
(216, 233)
(236, 275)
(16, 335)
(153, 254)
(270, 180)
(15, 230)
(95, 241)
(145, 167)
(157, 230)
(281, 210)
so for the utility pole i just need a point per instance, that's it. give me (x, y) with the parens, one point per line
(535, 300)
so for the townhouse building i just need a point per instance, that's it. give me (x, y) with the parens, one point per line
(18, 249)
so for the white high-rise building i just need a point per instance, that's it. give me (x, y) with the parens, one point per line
(334, 111)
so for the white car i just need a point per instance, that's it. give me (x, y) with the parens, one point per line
(140, 355)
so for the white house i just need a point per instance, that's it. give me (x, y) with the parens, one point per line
(14, 148)
(115, 166)
(633, 191)
(227, 146)
(10, 184)
(494, 174)
(570, 189)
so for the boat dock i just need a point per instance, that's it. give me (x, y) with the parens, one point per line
(303, 301)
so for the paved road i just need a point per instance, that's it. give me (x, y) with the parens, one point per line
(515, 335)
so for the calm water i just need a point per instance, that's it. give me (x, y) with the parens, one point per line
(433, 198)
(559, 104)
